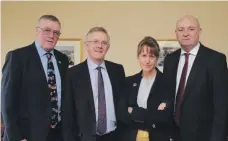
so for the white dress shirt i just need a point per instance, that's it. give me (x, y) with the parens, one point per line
(110, 109)
(192, 56)
(144, 91)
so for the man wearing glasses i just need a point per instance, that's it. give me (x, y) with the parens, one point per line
(93, 91)
(32, 84)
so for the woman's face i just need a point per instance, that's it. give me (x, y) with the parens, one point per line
(147, 60)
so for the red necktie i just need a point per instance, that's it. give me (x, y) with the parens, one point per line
(181, 88)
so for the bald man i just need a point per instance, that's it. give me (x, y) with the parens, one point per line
(196, 82)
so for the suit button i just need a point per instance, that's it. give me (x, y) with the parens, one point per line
(80, 134)
(153, 125)
(170, 139)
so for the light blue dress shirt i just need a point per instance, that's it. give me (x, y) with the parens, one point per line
(110, 109)
(44, 60)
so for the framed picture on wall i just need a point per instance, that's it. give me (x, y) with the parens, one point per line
(72, 47)
(167, 46)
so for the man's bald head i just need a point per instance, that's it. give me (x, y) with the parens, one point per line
(189, 18)
(188, 32)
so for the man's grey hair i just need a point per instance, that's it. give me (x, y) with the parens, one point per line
(49, 17)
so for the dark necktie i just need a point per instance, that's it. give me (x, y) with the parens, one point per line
(181, 89)
(52, 91)
(102, 121)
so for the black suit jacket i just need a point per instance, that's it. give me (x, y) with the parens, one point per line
(203, 111)
(79, 117)
(26, 107)
(150, 119)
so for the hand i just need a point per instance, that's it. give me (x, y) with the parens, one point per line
(24, 140)
(130, 109)
(162, 106)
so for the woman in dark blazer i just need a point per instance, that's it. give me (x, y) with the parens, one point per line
(147, 112)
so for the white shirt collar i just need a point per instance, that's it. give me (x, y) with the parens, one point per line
(194, 51)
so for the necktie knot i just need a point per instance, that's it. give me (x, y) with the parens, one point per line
(186, 55)
(48, 55)
(99, 68)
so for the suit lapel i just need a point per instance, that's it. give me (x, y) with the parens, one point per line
(154, 86)
(198, 63)
(111, 74)
(173, 68)
(37, 65)
(86, 83)
(59, 64)
(134, 89)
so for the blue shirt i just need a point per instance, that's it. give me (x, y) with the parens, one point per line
(110, 109)
(44, 60)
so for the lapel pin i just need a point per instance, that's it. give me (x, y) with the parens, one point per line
(134, 84)
(59, 62)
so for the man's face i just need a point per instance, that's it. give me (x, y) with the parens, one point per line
(97, 45)
(48, 33)
(188, 32)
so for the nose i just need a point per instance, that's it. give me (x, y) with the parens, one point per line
(51, 34)
(99, 44)
(185, 33)
(147, 59)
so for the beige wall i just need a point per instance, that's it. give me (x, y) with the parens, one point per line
(127, 23)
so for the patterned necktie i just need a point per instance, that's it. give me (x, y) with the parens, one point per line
(181, 88)
(102, 121)
(52, 91)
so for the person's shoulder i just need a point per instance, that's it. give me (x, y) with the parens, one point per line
(211, 51)
(112, 63)
(22, 50)
(114, 66)
(21, 53)
(77, 68)
(134, 76)
(175, 53)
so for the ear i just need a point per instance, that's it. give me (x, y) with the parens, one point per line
(37, 30)
(200, 31)
(108, 47)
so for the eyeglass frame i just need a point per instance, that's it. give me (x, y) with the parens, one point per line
(96, 42)
(47, 31)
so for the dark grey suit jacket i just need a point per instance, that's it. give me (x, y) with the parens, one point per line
(79, 117)
(26, 107)
(203, 112)
(158, 123)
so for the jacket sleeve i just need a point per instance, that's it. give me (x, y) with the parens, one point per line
(10, 88)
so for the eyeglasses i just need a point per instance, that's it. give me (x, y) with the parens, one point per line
(48, 31)
(96, 42)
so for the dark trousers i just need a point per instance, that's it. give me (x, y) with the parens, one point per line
(112, 136)
(55, 134)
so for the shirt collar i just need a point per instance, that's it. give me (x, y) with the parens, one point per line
(40, 50)
(194, 51)
(93, 66)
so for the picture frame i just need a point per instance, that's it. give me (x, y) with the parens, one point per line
(72, 47)
(167, 46)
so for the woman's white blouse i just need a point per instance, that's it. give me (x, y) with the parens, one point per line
(144, 91)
